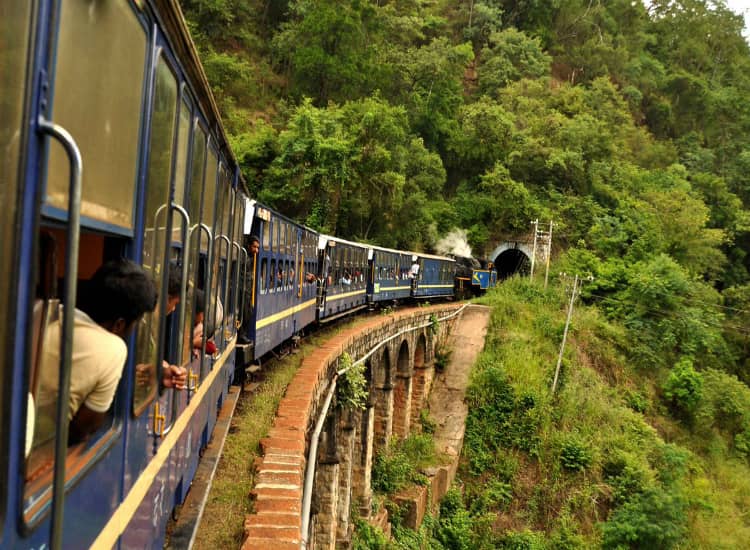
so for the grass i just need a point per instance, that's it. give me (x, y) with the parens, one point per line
(229, 500)
(588, 463)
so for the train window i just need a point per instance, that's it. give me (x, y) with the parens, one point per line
(44, 366)
(207, 217)
(272, 276)
(149, 347)
(178, 236)
(266, 235)
(209, 189)
(263, 266)
(104, 118)
(183, 145)
(196, 176)
(220, 250)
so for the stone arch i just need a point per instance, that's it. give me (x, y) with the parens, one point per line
(421, 380)
(402, 392)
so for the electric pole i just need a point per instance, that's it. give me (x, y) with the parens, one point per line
(576, 287)
(535, 223)
(549, 254)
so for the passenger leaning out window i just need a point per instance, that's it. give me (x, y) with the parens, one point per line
(110, 305)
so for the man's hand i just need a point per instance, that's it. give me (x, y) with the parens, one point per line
(174, 376)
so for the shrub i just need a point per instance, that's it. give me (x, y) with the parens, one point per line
(683, 387)
(368, 537)
(428, 424)
(495, 496)
(442, 358)
(575, 455)
(399, 464)
(351, 388)
(654, 519)
(522, 540)
(454, 528)
(391, 471)
(636, 401)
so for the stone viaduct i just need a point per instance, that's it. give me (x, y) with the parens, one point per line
(400, 350)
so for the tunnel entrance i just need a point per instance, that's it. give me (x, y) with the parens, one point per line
(510, 262)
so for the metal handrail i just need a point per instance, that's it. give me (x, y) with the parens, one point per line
(226, 285)
(207, 302)
(181, 322)
(183, 283)
(240, 288)
(244, 286)
(66, 341)
(313, 451)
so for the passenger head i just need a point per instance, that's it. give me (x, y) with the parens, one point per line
(174, 287)
(118, 294)
(253, 246)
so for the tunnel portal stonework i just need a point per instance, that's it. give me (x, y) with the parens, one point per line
(400, 374)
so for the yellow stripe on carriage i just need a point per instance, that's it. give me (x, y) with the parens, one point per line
(281, 314)
(344, 295)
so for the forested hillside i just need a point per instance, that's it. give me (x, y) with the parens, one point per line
(396, 122)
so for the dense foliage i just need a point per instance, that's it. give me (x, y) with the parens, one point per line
(396, 121)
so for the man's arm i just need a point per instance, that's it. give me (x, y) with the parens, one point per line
(173, 376)
(84, 423)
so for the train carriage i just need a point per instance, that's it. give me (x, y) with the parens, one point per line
(388, 279)
(111, 147)
(282, 300)
(436, 276)
(342, 277)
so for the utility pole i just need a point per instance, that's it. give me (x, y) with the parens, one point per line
(576, 286)
(549, 254)
(535, 223)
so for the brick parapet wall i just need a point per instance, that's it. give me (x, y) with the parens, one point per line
(277, 520)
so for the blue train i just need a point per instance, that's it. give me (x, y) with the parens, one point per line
(112, 147)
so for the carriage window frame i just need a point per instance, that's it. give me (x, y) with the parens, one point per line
(266, 235)
(181, 196)
(116, 138)
(263, 272)
(145, 325)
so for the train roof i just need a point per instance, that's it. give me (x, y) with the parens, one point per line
(256, 206)
(324, 237)
(412, 253)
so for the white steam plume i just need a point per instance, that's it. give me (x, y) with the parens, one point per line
(455, 243)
